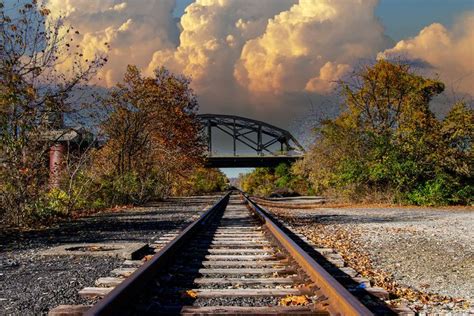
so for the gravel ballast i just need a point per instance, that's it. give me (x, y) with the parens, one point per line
(429, 250)
(32, 284)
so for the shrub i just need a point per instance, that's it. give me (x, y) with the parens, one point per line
(431, 193)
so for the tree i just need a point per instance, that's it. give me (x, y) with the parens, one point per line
(204, 180)
(388, 142)
(457, 133)
(34, 96)
(282, 179)
(153, 137)
(258, 182)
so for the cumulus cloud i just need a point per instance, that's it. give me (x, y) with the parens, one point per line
(213, 34)
(263, 59)
(312, 37)
(133, 30)
(250, 57)
(450, 52)
(329, 74)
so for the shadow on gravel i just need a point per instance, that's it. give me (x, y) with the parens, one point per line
(129, 226)
(85, 232)
(376, 305)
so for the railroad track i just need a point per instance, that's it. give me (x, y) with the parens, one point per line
(233, 260)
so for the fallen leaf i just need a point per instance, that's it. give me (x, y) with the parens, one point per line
(294, 300)
(147, 258)
(190, 293)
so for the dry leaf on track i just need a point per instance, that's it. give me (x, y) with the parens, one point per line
(147, 257)
(294, 300)
(189, 293)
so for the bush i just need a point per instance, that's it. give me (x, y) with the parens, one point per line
(443, 190)
(53, 204)
(204, 180)
(431, 193)
(129, 188)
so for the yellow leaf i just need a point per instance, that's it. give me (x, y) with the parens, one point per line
(190, 293)
(294, 300)
(147, 257)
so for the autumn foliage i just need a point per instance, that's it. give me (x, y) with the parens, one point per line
(387, 144)
(145, 143)
(34, 97)
(281, 180)
(152, 139)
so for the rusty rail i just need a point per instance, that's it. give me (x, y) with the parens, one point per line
(340, 300)
(307, 205)
(114, 302)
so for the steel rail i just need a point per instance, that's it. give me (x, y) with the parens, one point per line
(340, 300)
(307, 205)
(115, 302)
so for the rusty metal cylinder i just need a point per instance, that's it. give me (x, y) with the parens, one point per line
(56, 156)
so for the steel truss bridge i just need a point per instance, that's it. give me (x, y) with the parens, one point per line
(270, 145)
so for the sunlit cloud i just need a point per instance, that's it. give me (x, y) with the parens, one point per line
(213, 34)
(252, 57)
(449, 52)
(290, 54)
(134, 30)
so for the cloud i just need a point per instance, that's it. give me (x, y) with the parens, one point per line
(253, 58)
(312, 37)
(213, 34)
(329, 74)
(265, 59)
(244, 57)
(120, 6)
(134, 30)
(449, 52)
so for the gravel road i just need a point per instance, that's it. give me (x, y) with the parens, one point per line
(31, 284)
(429, 250)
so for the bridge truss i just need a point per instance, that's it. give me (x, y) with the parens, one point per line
(250, 133)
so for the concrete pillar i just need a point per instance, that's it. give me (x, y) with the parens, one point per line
(56, 156)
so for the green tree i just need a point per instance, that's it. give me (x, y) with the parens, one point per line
(281, 179)
(387, 141)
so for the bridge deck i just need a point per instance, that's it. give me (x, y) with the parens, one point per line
(248, 161)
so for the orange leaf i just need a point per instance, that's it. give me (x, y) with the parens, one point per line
(190, 293)
(294, 300)
(147, 257)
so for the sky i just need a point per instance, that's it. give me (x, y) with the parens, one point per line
(401, 18)
(274, 60)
